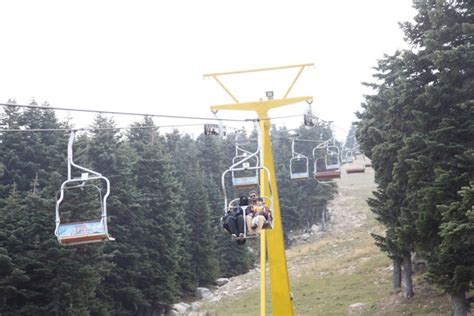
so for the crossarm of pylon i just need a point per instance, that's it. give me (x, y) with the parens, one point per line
(256, 70)
(225, 89)
(260, 106)
(294, 81)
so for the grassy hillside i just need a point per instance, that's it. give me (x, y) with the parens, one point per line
(337, 269)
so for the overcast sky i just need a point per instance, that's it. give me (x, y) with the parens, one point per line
(150, 56)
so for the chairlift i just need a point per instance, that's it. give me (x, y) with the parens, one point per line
(299, 164)
(246, 161)
(354, 166)
(268, 224)
(245, 168)
(82, 232)
(308, 115)
(326, 163)
(211, 129)
(215, 129)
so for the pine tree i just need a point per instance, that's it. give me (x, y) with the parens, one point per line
(215, 156)
(202, 268)
(160, 199)
(425, 101)
(43, 278)
(453, 268)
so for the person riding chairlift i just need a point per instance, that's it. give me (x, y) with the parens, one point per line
(253, 197)
(234, 220)
(256, 216)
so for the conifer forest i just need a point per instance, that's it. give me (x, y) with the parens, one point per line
(415, 130)
(164, 211)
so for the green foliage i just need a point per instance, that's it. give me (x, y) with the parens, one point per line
(164, 211)
(418, 130)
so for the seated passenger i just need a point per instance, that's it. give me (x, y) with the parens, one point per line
(253, 197)
(256, 216)
(234, 221)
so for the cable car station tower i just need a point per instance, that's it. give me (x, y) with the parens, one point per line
(273, 238)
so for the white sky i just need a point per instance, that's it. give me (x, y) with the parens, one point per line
(149, 56)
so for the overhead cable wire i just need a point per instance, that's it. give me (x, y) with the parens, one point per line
(93, 128)
(123, 113)
(281, 117)
(152, 115)
(299, 139)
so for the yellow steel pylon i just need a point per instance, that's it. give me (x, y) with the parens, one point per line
(279, 280)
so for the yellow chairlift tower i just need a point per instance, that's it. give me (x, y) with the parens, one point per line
(279, 280)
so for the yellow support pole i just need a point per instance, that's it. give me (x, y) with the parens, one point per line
(279, 280)
(272, 240)
(263, 274)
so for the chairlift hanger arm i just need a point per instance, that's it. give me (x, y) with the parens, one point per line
(294, 153)
(261, 107)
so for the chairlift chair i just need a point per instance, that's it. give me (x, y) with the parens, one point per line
(241, 165)
(355, 168)
(241, 162)
(234, 204)
(215, 129)
(326, 165)
(299, 164)
(349, 156)
(82, 232)
(211, 129)
(308, 118)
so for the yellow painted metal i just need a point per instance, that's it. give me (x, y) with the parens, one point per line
(225, 89)
(293, 83)
(263, 273)
(279, 280)
(256, 70)
(261, 107)
(271, 241)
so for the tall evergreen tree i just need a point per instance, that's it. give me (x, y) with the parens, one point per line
(160, 198)
(426, 99)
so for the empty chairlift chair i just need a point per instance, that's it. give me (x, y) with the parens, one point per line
(89, 231)
(354, 166)
(299, 165)
(245, 167)
(245, 182)
(326, 163)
